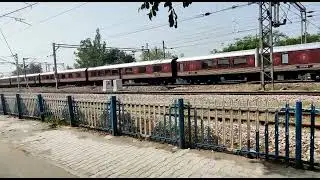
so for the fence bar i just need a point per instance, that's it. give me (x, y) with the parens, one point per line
(170, 123)
(71, 112)
(3, 102)
(266, 140)
(19, 105)
(41, 109)
(164, 122)
(189, 123)
(276, 134)
(313, 114)
(298, 115)
(195, 126)
(287, 132)
(114, 116)
(181, 123)
(257, 134)
(175, 118)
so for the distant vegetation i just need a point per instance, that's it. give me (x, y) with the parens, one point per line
(280, 39)
(95, 53)
(30, 69)
(155, 54)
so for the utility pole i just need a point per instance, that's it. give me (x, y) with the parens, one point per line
(266, 22)
(55, 64)
(24, 70)
(17, 65)
(164, 51)
(147, 46)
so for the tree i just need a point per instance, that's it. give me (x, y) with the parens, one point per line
(153, 7)
(279, 39)
(32, 68)
(297, 40)
(154, 54)
(95, 53)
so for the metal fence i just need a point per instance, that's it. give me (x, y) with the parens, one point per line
(285, 133)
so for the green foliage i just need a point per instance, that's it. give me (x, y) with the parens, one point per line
(280, 39)
(69, 67)
(30, 69)
(153, 8)
(95, 53)
(154, 54)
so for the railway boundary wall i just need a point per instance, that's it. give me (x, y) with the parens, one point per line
(278, 134)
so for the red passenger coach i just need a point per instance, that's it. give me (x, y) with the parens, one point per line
(209, 69)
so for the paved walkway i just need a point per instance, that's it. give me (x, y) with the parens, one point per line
(87, 153)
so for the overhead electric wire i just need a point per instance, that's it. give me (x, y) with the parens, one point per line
(183, 20)
(18, 10)
(205, 43)
(5, 39)
(222, 35)
(51, 17)
(307, 19)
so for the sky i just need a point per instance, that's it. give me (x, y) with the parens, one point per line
(121, 25)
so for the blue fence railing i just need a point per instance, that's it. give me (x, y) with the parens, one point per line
(187, 126)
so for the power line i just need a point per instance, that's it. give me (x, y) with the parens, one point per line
(222, 35)
(5, 39)
(307, 19)
(183, 20)
(17, 10)
(61, 13)
(125, 21)
(205, 43)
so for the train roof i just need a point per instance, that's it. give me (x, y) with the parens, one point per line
(47, 73)
(297, 47)
(219, 55)
(133, 64)
(72, 70)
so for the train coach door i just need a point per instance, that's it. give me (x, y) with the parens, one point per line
(119, 72)
(174, 68)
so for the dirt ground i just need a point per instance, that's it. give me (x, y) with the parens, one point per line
(16, 163)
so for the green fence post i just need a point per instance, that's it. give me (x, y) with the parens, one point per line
(113, 114)
(18, 98)
(41, 108)
(71, 112)
(3, 102)
(181, 124)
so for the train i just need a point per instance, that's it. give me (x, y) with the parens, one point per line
(299, 62)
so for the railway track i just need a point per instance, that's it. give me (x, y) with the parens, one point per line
(307, 93)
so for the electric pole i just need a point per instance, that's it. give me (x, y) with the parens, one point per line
(17, 65)
(147, 46)
(164, 51)
(24, 70)
(55, 64)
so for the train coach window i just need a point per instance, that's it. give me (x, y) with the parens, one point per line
(63, 76)
(285, 58)
(78, 75)
(107, 72)
(114, 72)
(93, 73)
(204, 65)
(70, 75)
(128, 70)
(223, 61)
(156, 68)
(239, 61)
(142, 69)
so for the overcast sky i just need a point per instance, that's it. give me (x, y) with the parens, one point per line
(123, 26)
